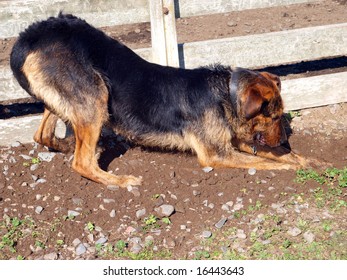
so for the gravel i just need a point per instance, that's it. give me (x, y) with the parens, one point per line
(165, 210)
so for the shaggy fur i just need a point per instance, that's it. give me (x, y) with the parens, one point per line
(89, 79)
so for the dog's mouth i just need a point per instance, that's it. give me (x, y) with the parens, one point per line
(260, 139)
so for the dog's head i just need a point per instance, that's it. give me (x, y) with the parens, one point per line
(261, 108)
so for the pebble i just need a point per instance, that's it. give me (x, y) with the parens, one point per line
(252, 171)
(77, 201)
(165, 210)
(207, 169)
(113, 213)
(56, 198)
(16, 144)
(206, 234)
(309, 236)
(109, 200)
(136, 248)
(113, 188)
(169, 243)
(294, 231)
(38, 209)
(72, 213)
(241, 234)
(76, 241)
(50, 256)
(221, 223)
(238, 206)
(101, 240)
(26, 157)
(231, 23)
(41, 181)
(80, 249)
(134, 190)
(34, 167)
(140, 213)
(225, 207)
(46, 156)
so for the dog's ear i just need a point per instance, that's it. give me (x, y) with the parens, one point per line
(273, 78)
(253, 103)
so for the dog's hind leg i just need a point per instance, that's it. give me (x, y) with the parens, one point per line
(85, 162)
(45, 135)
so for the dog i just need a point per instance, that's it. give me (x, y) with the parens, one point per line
(228, 117)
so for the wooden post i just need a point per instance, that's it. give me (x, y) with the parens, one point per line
(163, 32)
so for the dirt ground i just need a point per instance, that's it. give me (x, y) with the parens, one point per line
(49, 212)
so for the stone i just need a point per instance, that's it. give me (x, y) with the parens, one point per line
(46, 156)
(50, 256)
(112, 187)
(16, 144)
(252, 171)
(34, 167)
(294, 231)
(206, 234)
(221, 223)
(72, 213)
(309, 236)
(165, 210)
(140, 213)
(101, 240)
(113, 213)
(231, 23)
(207, 169)
(241, 234)
(80, 249)
(38, 209)
(109, 200)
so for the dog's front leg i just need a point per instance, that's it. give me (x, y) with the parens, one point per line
(282, 155)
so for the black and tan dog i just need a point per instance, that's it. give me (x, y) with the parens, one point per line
(88, 79)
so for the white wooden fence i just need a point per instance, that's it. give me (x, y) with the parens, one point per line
(252, 51)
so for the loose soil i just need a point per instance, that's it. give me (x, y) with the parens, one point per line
(268, 215)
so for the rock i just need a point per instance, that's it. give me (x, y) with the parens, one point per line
(16, 144)
(169, 243)
(34, 167)
(38, 209)
(231, 23)
(225, 207)
(77, 201)
(206, 234)
(241, 234)
(76, 241)
(46, 156)
(80, 249)
(109, 200)
(207, 169)
(165, 210)
(309, 236)
(294, 231)
(41, 181)
(221, 223)
(101, 240)
(252, 171)
(136, 248)
(140, 213)
(238, 206)
(113, 213)
(137, 30)
(26, 157)
(134, 190)
(72, 213)
(50, 256)
(113, 188)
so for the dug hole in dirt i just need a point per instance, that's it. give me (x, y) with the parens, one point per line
(183, 211)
